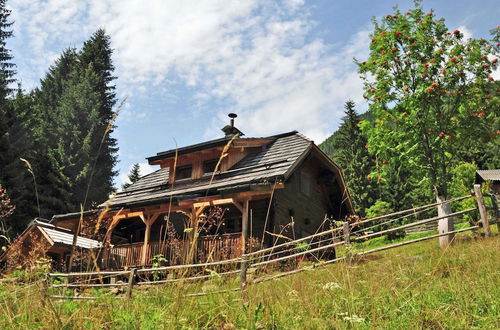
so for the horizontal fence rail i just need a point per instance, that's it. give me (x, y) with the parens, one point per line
(324, 241)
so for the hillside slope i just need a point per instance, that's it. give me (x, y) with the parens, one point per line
(417, 286)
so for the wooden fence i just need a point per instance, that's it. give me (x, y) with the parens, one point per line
(315, 246)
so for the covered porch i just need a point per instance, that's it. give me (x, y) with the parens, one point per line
(169, 234)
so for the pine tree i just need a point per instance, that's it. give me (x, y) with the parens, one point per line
(96, 55)
(7, 71)
(6, 74)
(355, 161)
(71, 155)
(14, 172)
(14, 141)
(133, 176)
(55, 194)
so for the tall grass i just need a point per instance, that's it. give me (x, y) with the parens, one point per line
(417, 286)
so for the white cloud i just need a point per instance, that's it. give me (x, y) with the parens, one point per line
(259, 57)
(466, 32)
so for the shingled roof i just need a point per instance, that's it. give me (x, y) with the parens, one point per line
(54, 235)
(65, 237)
(275, 161)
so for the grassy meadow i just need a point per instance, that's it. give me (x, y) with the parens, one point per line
(415, 286)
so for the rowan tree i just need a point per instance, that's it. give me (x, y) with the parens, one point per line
(431, 91)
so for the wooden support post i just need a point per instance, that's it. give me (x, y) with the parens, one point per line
(445, 225)
(347, 239)
(244, 226)
(482, 209)
(244, 239)
(131, 278)
(144, 252)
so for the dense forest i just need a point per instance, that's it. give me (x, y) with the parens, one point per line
(55, 140)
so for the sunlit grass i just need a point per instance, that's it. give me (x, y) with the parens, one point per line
(415, 286)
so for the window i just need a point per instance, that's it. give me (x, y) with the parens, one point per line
(183, 172)
(209, 165)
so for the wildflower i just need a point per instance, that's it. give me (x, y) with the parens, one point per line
(331, 286)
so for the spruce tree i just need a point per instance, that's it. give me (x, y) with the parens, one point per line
(6, 77)
(7, 71)
(14, 172)
(55, 194)
(71, 154)
(14, 138)
(355, 161)
(96, 55)
(133, 176)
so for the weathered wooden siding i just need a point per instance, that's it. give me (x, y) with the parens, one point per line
(303, 201)
(257, 218)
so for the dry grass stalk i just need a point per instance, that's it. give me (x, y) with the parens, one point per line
(30, 169)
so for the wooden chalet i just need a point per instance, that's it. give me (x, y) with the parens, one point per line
(221, 196)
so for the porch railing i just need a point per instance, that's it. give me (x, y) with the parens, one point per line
(209, 248)
(219, 247)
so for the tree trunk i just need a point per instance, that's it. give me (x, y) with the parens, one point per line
(444, 225)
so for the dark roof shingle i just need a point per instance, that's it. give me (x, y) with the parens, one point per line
(271, 162)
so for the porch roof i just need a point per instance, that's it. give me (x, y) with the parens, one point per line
(275, 161)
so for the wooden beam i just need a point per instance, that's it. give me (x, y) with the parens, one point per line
(127, 215)
(239, 206)
(244, 226)
(47, 237)
(250, 143)
(215, 202)
(190, 202)
(257, 193)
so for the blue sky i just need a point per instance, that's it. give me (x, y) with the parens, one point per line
(183, 65)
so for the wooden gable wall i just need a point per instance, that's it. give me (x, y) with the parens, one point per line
(306, 200)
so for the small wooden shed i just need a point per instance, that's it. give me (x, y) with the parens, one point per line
(42, 239)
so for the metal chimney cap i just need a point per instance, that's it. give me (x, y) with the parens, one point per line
(232, 115)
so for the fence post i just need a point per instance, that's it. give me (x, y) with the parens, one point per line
(131, 278)
(243, 272)
(482, 209)
(445, 225)
(347, 239)
(46, 284)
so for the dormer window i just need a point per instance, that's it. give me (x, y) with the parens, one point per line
(209, 166)
(183, 172)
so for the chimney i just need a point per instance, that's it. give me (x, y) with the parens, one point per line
(232, 116)
(230, 130)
